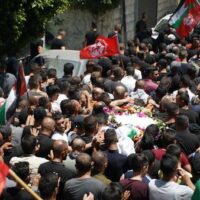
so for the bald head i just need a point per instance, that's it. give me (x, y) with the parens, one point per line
(60, 148)
(83, 163)
(78, 144)
(139, 84)
(48, 125)
(120, 92)
(96, 93)
(100, 161)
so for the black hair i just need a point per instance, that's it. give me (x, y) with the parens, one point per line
(161, 91)
(12, 66)
(130, 71)
(39, 60)
(39, 114)
(174, 150)
(150, 59)
(28, 144)
(182, 121)
(149, 155)
(117, 72)
(94, 76)
(52, 72)
(65, 107)
(90, 124)
(68, 68)
(21, 169)
(147, 142)
(94, 25)
(172, 109)
(185, 80)
(168, 165)
(138, 162)
(52, 90)
(102, 118)
(152, 129)
(57, 116)
(110, 137)
(34, 81)
(48, 184)
(105, 98)
(26, 131)
(6, 132)
(113, 191)
(168, 136)
(63, 85)
(23, 116)
(43, 101)
(183, 95)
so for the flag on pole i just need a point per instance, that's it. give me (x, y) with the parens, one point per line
(186, 17)
(103, 47)
(18, 90)
(4, 170)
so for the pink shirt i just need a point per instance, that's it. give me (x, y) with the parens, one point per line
(150, 86)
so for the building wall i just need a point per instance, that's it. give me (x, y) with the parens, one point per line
(77, 22)
(166, 7)
(130, 18)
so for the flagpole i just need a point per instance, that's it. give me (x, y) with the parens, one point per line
(24, 185)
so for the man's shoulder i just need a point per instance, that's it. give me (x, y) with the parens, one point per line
(10, 75)
(90, 181)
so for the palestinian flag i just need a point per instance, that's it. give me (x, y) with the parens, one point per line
(8, 108)
(186, 17)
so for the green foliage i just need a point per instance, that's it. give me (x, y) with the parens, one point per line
(95, 6)
(23, 20)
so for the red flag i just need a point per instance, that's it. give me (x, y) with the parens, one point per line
(3, 173)
(186, 17)
(103, 47)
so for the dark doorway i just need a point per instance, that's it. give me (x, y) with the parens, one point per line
(150, 8)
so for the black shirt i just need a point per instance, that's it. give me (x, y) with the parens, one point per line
(91, 36)
(59, 168)
(46, 145)
(187, 141)
(57, 43)
(15, 193)
(192, 115)
(116, 165)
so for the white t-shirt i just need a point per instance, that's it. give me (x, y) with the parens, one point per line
(86, 79)
(138, 74)
(161, 190)
(129, 82)
(191, 95)
(34, 162)
(140, 94)
(59, 136)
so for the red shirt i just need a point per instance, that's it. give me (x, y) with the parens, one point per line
(160, 152)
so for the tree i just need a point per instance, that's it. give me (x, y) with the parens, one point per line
(24, 20)
(95, 6)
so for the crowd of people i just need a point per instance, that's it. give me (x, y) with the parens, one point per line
(59, 140)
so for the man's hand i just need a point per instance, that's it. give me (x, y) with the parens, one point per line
(34, 132)
(186, 178)
(126, 195)
(89, 196)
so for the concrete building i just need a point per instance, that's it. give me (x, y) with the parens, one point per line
(77, 22)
